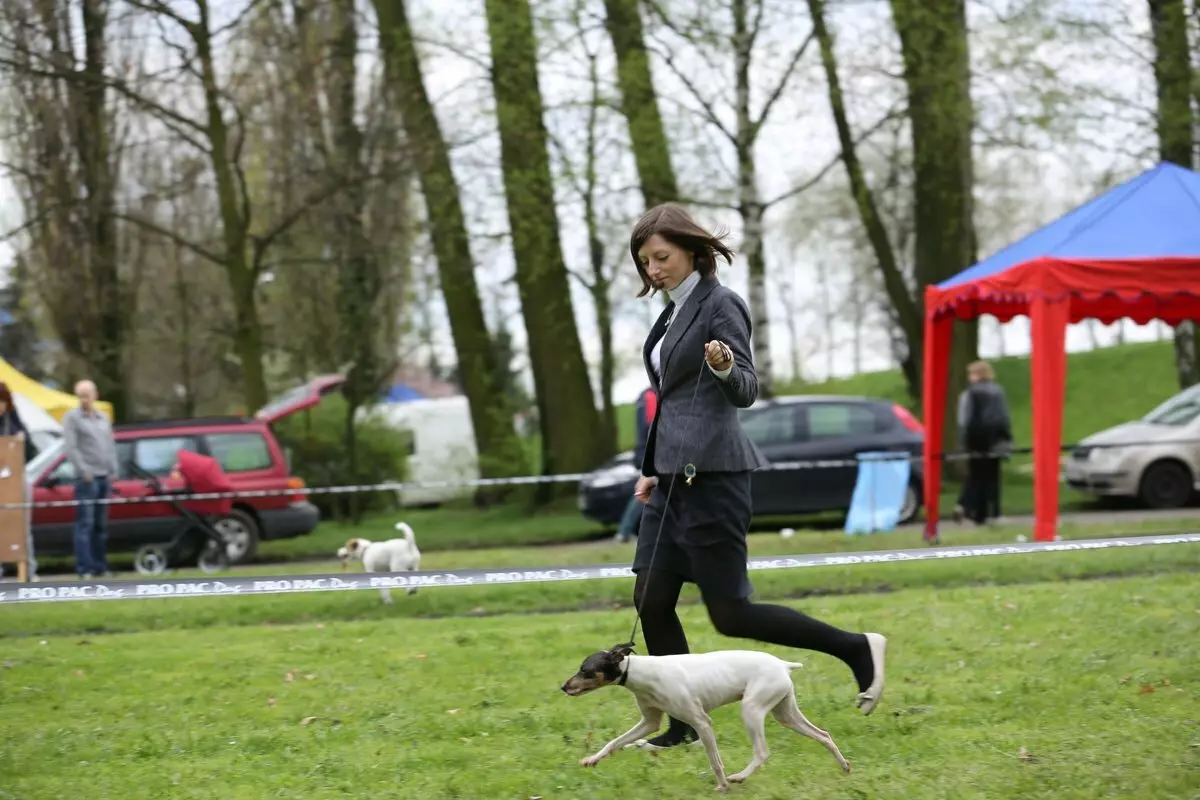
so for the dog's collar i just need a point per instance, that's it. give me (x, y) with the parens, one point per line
(624, 675)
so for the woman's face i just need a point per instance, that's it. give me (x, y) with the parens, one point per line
(666, 264)
(3, 406)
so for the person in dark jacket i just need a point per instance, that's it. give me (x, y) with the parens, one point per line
(985, 430)
(643, 408)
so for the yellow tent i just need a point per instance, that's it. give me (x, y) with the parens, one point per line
(55, 402)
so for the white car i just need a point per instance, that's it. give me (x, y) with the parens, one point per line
(1155, 459)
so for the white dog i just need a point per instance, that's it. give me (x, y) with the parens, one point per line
(394, 555)
(689, 686)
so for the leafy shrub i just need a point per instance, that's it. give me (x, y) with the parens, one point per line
(316, 444)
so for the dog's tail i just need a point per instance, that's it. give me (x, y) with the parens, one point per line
(791, 665)
(406, 530)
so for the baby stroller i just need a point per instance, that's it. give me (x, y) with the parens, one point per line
(200, 475)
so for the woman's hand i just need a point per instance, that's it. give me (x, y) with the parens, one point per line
(644, 487)
(718, 355)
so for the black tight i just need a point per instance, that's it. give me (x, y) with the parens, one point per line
(656, 594)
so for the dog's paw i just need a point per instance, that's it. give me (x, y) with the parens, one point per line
(590, 761)
(722, 787)
(846, 767)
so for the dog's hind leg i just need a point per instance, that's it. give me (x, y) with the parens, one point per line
(789, 715)
(386, 593)
(754, 713)
(413, 589)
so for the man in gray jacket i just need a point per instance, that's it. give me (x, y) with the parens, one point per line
(92, 451)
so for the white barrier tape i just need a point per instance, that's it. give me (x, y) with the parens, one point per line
(64, 591)
(526, 480)
(399, 486)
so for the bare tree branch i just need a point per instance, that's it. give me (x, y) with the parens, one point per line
(172, 236)
(709, 112)
(263, 241)
(755, 26)
(833, 162)
(136, 97)
(756, 125)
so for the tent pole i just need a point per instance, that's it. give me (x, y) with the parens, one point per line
(1048, 366)
(938, 333)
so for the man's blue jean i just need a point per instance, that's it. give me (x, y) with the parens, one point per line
(91, 526)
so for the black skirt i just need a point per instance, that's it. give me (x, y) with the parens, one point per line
(703, 532)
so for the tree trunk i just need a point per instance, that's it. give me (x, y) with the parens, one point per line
(750, 205)
(359, 282)
(608, 362)
(113, 309)
(572, 436)
(482, 377)
(1173, 75)
(235, 223)
(601, 283)
(907, 309)
(639, 104)
(933, 43)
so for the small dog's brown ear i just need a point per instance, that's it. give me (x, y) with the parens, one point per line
(352, 545)
(622, 650)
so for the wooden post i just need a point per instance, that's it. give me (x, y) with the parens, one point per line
(14, 522)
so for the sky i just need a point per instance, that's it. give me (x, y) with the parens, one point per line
(797, 141)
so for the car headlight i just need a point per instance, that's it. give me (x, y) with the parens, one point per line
(614, 476)
(1108, 455)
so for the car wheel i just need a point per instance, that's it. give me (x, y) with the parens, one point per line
(241, 535)
(912, 504)
(1166, 484)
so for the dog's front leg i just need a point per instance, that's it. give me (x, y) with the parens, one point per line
(386, 593)
(650, 722)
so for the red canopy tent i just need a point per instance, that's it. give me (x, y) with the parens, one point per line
(1131, 253)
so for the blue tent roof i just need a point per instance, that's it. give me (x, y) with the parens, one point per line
(1153, 215)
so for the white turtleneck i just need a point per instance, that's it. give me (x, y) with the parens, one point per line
(679, 296)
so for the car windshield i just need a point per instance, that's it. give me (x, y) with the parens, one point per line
(39, 462)
(1179, 410)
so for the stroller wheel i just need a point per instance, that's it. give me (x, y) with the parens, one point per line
(213, 558)
(150, 560)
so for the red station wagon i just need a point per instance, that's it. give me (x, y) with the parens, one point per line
(246, 449)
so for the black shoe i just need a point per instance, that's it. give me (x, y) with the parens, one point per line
(672, 737)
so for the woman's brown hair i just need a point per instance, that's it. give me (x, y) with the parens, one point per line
(676, 225)
(6, 396)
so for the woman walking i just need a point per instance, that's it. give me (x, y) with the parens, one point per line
(698, 359)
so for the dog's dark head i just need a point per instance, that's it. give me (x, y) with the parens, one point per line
(599, 669)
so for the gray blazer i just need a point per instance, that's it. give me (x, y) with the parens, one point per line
(705, 433)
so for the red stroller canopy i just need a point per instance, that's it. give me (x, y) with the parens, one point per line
(203, 475)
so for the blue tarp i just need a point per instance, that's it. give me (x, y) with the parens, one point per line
(878, 493)
(1152, 215)
(402, 393)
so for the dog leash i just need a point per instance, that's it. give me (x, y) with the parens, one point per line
(689, 474)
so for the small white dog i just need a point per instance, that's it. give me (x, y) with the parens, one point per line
(394, 555)
(689, 686)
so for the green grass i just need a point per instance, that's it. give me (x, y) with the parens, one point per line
(1093, 682)
(199, 613)
(448, 528)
